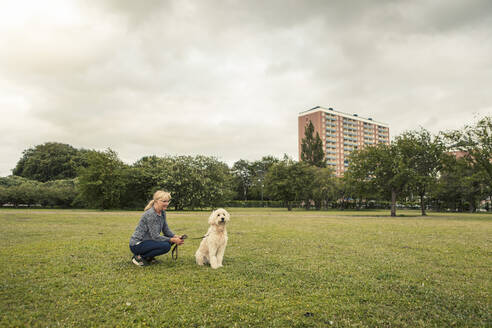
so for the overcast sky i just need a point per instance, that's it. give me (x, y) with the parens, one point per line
(228, 78)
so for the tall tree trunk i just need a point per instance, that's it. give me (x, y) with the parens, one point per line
(393, 202)
(472, 205)
(422, 205)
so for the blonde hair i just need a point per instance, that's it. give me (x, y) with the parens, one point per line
(158, 195)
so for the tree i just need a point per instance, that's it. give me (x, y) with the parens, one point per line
(303, 178)
(50, 161)
(4, 195)
(18, 190)
(182, 180)
(460, 185)
(384, 167)
(422, 154)
(194, 182)
(12, 180)
(289, 181)
(259, 170)
(356, 185)
(216, 181)
(242, 170)
(141, 180)
(278, 184)
(57, 193)
(101, 183)
(312, 147)
(475, 141)
(26, 193)
(323, 187)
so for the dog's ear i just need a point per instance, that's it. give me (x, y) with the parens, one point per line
(211, 218)
(228, 216)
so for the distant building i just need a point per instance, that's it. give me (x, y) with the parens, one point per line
(341, 134)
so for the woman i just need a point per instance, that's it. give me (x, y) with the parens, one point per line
(146, 242)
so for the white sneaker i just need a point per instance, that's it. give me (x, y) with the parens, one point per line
(139, 260)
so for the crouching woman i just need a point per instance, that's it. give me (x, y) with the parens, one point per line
(147, 242)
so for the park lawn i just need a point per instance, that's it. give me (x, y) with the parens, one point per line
(71, 268)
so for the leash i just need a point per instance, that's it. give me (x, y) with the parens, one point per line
(200, 237)
(174, 249)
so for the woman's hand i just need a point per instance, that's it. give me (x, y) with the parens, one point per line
(177, 240)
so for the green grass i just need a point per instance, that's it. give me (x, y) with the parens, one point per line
(281, 269)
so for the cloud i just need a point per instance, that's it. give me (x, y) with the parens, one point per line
(193, 77)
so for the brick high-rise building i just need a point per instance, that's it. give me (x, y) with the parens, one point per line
(341, 134)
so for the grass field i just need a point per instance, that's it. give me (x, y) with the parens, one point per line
(281, 269)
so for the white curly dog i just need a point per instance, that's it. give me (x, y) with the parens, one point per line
(213, 245)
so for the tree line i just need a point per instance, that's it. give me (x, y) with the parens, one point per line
(448, 171)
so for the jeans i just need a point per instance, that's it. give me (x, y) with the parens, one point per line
(151, 248)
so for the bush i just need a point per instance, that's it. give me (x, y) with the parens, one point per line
(18, 191)
(253, 203)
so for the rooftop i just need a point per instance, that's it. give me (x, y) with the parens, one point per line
(352, 116)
